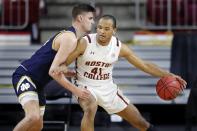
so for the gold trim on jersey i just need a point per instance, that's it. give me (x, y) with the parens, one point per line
(53, 42)
(25, 93)
(42, 107)
(22, 79)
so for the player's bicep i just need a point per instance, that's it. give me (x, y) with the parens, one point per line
(72, 56)
(79, 50)
(66, 47)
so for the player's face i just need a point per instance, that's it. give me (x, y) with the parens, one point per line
(87, 19)
(104, 31)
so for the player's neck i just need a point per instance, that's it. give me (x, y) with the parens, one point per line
(79, 30)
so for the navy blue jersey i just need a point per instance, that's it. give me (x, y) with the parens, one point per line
(39, 64)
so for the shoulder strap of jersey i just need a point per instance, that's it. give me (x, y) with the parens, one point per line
(89, 39)
(117, 41)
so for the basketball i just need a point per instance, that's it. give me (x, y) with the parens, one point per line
(168, 88)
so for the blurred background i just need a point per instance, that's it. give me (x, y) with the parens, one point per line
(160, 31)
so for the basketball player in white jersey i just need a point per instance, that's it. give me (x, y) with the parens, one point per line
(96, 55)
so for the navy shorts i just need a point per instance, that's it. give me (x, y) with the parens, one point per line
(24, 84)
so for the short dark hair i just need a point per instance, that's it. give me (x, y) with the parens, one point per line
(81, 8)
(111, 17)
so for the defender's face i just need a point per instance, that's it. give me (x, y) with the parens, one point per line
(105, 31)
(87, 19)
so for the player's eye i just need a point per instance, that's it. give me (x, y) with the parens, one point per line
(99, 27)
(107, 29)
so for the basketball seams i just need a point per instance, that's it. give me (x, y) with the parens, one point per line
(164, 85)
(158, 85)
(172, 95)
(178, 90)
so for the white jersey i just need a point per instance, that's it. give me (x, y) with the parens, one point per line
(95, 66)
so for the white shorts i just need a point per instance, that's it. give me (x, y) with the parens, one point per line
(108, 96)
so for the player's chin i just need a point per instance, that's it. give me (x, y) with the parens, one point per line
(88, 29)
(104, 40)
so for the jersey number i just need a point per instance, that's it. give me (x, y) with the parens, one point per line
(96, 71)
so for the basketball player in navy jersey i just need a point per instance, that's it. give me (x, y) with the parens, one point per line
(33, 74)
(96, 55)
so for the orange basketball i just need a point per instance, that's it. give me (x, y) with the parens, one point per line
(168, 88)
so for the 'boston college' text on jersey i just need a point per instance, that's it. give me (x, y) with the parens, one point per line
(96, 64)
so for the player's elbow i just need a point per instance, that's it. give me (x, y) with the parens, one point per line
(52, 74)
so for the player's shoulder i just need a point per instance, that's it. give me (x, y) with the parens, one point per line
(68, 34)
(115, 40)
(90, 37)
(66, 37)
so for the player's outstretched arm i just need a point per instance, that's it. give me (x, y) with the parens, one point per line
(145, 66)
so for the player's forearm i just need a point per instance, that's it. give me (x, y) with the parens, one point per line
(67, 84)
(63, 81)
(154, 70)
(69, 60)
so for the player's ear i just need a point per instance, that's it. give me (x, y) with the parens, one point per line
(79, 18)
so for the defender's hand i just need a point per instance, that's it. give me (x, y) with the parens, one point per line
(83, 93)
